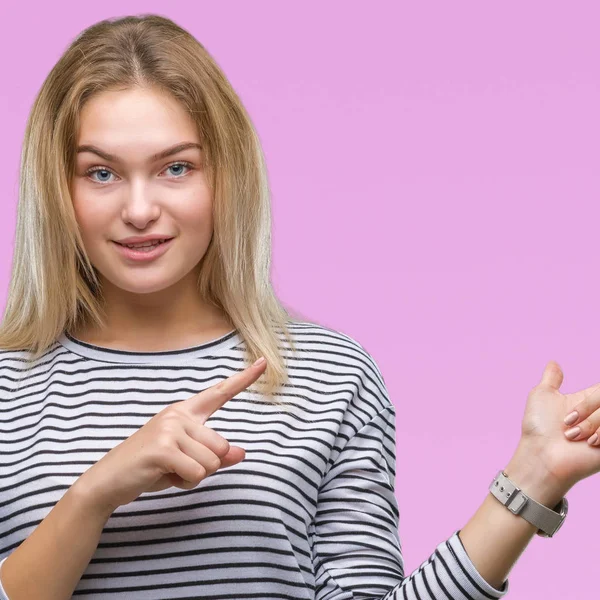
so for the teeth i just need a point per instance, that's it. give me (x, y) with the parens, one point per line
(144, 244)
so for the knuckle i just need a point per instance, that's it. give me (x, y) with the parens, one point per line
(221, 389)
(171, 421)
(217, 443)
(587, 426)
(222, 384)
(168, 418)
(201, 473)
(163, 441)
(213, 463)
(174, 412)
(165, 459)
(169, 428)
(222, 447)
(583, 408)
(589, 404)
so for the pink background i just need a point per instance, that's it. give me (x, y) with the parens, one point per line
(434, 169)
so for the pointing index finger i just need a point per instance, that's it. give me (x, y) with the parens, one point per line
(208, 401)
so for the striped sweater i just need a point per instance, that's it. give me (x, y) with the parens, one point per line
(309, 514)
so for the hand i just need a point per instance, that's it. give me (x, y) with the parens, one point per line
(543, 428)
(587, 418)
(173, 449)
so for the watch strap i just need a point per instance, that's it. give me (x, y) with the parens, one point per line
(548, 521)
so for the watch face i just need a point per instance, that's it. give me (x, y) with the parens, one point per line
(562, 507)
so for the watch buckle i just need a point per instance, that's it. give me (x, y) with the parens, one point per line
(517, 502)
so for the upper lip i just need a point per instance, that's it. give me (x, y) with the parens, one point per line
(138, 239)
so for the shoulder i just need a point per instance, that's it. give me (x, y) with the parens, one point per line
(16, 366)
(328, 342)
(344, 356)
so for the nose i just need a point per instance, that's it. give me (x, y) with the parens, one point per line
(140, 206)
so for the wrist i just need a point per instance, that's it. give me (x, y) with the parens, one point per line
(88, 498)
(527, 471)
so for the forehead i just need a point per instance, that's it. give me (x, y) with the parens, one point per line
(135, 116)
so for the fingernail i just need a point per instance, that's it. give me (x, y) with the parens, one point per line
(573, 432)
(593, 439)
(571, 418)
(259, 362)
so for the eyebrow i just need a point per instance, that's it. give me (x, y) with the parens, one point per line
(112, 158)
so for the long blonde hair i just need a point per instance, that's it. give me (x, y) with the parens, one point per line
(53, 285)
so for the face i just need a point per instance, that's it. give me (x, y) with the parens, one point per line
(121, 189)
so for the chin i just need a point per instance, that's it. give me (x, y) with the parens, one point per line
(144, 285)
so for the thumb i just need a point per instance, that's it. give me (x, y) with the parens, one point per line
(234, 456)
(552, 376)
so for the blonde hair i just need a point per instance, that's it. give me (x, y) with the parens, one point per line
(53, 285)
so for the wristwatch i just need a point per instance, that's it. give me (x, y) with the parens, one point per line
(548, 521)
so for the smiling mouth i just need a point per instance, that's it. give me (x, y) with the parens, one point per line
(145, 244)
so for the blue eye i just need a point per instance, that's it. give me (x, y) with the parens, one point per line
(180, 165)
(106, 171)
(100, 171)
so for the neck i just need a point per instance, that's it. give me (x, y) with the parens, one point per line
(159, 321)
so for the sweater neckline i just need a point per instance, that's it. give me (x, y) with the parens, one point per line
(101, 353)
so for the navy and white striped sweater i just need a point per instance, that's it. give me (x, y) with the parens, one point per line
(309, 514)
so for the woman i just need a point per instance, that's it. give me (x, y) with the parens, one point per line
(138, 460)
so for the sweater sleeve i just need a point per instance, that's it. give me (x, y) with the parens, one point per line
(357, 552)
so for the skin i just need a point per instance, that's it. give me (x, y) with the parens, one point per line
(545, 465)
(145, 303)
(586, 422)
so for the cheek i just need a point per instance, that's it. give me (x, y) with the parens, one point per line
(91, 221)
(195, 215)
(91, 218)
